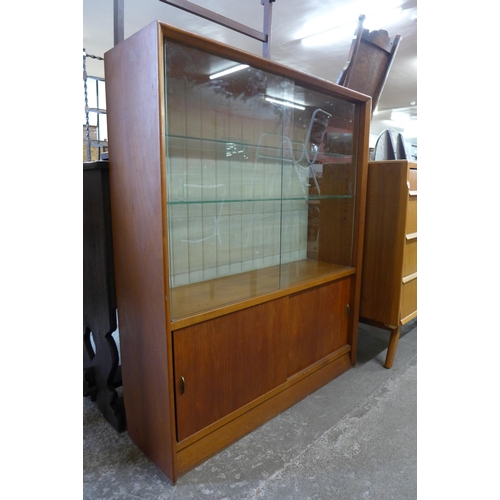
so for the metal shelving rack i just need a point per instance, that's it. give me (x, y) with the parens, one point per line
(263, 36)
(98, 142)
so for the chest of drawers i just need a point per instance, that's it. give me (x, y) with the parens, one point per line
(389, 281)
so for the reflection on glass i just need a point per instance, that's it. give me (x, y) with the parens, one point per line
(260, 181)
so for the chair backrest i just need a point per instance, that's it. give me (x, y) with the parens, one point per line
(390, 145)
(369, 62)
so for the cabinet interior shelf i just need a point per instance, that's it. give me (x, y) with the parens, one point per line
(266, 284)
(309, 198)
(276, 148)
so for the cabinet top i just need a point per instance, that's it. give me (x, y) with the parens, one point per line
(166, 31)
(408, 163)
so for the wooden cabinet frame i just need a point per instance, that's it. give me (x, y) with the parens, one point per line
(149, 336)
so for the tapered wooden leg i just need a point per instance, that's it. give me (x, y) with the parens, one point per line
(393, 344)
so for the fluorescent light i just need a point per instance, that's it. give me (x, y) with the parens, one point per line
(284, 103)
(228, 71)
(329, 36)
(346, 30)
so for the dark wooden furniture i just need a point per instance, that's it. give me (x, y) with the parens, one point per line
(389, 283)
(235, 300)
(101, 370)
(369, 62)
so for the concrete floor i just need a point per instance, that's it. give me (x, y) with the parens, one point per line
(355, 438)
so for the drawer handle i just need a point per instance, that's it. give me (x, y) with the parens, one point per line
(413, 193)
(411, 236)
(183, 385)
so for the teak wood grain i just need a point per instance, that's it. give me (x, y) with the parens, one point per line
(259, 285)
(198, 451)
(318, 324)
(228, 362)
(136, 152)
(387, 199)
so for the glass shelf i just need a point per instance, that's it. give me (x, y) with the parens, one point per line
(283, 148)
(310, 198)
(214, 171)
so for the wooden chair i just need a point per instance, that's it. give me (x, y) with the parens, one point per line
(369, 62)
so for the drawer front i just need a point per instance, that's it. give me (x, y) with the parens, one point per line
(408, 298)
(410, 257)
(409, 286)
(412, 179)
(411, 215)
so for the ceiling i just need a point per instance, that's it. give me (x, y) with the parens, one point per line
(291, 21)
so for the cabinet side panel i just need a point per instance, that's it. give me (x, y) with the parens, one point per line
(134, 97)
(359, 223)
(386, 202)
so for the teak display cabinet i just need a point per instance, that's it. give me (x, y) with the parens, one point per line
(238, 209)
